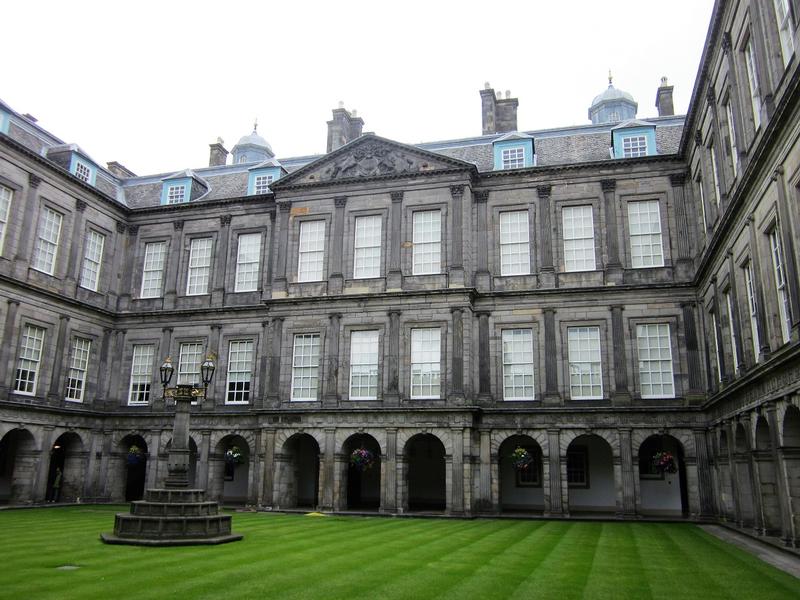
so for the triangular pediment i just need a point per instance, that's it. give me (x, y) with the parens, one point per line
(370, 156)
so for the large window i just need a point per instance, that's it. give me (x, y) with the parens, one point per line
(655, 360)
(752, 307)
(425, 363)
(515, 250)
(30, 356)
(733, 333)
(199, 267)
(153, 269)
(247, 260)
(47, 236)
(189, 360)
(367, 247)
(6, 194)
(513, 158)
(644, 220)
(784, 313)
(585, 373)
(364, 365)
(305, 366)
(427, 235)
(752, 82)
(732, 138)
(92, 259)
(141, 374)
(518, 364)
(785, 28)
(634, 146)
(578, 225)
(312, 251)
(240, 366)
(176, 194)
(79, 362)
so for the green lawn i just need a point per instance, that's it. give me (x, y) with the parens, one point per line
(296, 556)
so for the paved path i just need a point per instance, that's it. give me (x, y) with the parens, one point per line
(777, 558)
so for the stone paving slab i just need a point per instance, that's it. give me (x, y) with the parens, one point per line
(778, 558)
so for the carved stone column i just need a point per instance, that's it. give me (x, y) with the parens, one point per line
(260, 392)
(736, 108)
(692, 351)
(394, 278)
(684, 246)
(735, 322)
(484, 503)
(267, 258)
(614, 266)
(457, 488)
(547, 270)
(484, 369)
(557, 489)
(705, 482)
(127, 248)
(204, 459)
(115, 383)
(56, 394)
(622, 395)
(330, 394)
(392, 393)
(336, 277)
(482, 276)
(551, 395)
(456, 268)
(389, 465)
(457, 365)
(279, 286)
(221, 261)
(273, 396)
(628, 472)
(6, 376)
(268, 473)
(74, 263)
(782, 475)
(721, 177)
(173, 263)
(25, 241)
(720, 349)
(326, 471)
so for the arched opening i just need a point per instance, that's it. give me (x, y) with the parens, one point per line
(590, 475)
(741, 470)
(17, 466)
(426, 477)
(363, 472)
(520, 475)
(790, 453)
(232, 470)
(134, 449)
(192, 461)
(725, 476)
(66, 472)
(767, 478)
(300, 480)
(662, 477)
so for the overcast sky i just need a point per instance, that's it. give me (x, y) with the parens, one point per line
(151, 84)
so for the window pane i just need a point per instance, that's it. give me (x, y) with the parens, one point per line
(518, 364)
(191, 355)
(367, 254)
(247, 261)
(47, 236)
(585, 374)
(427, 235)
(425, 363)
(655, 360)
(240, 366)
(141, 374)
(199, 267)
(513, 158)
(514, 243)
(578, 224)
(305, 366)
(79, 362)
(92, 258)
(153, 269)
(5, 206)
(364, 365)
(644, 221)
(634, 146)
(312, 251)
(30, 355)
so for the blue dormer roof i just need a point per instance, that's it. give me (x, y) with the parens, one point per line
(263, 174)
(633, 139)
(82, 167)
(514, 150)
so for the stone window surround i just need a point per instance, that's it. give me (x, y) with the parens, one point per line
(43, 374)
(729, 308)
(68, 357)
(606, 357)
(744, 43)
(293, 249)
(407, 237)
(64, 231)
(344, 358)
(183, 265)
(404, 368)
(348, 257)
(731, 143)
(598, 220)
(767, 275)
(749, 337)
(287, 360)
(138, 271)
(666, 239)
(16, 194)
(220, 383)
(496, 348)
(104, 275)
(233, 252)
(127, 365)
(494, 258)
(90, 378)
(673, 320)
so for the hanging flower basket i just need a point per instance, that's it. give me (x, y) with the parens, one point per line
(664, 462)
(521, 458)
(135, 455)
(233, 456)
(362, 459)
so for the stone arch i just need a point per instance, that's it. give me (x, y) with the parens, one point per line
(499, 436)
(762, 434)
(662, 493)
(591, 485)
(609, 436)
(684, 437)
(360, 485)
(284, 435)
(790, 451)
(790, 430)
(246, 434)
(66, 468)
(766, 476)
(723, 470)
(520, 489)
(426, 478)
(741, 470)
(343, 436)
(18, 454)
(229, 476)
(443, 435)
(131, 468)
(298, 471)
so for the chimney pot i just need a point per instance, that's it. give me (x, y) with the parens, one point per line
(217, 155)
(487, 86)
(508, 94)
(664, 102)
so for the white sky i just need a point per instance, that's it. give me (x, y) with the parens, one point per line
(151, 84)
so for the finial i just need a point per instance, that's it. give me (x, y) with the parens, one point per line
(609, 78)
(255, 125)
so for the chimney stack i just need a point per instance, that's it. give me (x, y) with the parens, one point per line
(343, 128)
(664, 99)
(499, 115)
(120, 170)
(218, 155)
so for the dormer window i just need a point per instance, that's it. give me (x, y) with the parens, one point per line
(513, 158)
(261, 184)
(82, 169)
(181, 188)
(262, 176)
(176, 194)
(82, 172)
(3, 122)
(634, 146)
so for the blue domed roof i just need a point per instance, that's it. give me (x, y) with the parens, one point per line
(254, 140)
(612, 93)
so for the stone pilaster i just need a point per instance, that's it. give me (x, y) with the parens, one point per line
(704, 479)
(327, 468)
(484, 502)
(268, 473)
(203, 459)
(684, 246)
(551, 395)
(457, 365)
(557, 487)
(730, 59)
(457, 466)
(267, 253)
(720, 349)
(692, 350)
(336, 276)
(622, 394)
(260, 392)
(6, 375)
(484, 370)
(279, 283)
(24, 241)
(546, 268)
(755, 260)
(273, 395)
(629, 473)
(127, 247)
(221, 261)
(78, 241)
(735, 322)
(330, 393)
(614, 265)
(482, 276)
(392, 390)
(456, 267)
(173, 263)
(56, 394)
(389, 478)
(394, 278)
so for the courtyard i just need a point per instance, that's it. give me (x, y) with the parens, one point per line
(56, 553)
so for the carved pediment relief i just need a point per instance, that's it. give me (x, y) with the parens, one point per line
(371, 157)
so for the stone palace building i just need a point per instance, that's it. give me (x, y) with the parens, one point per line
(594, 294)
